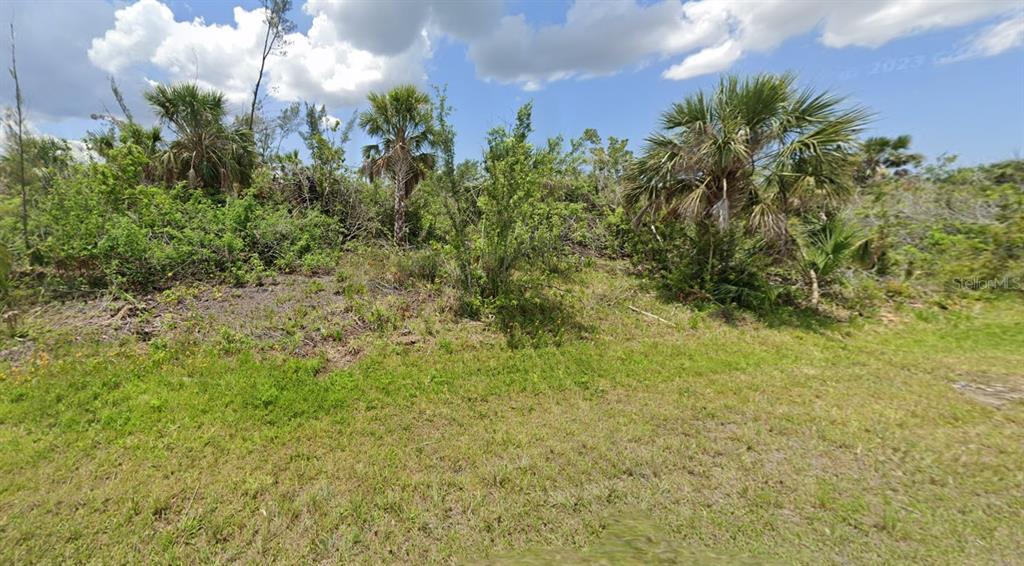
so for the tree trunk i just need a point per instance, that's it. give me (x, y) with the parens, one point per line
(402, 190)
(20, 116)
(268, 46)
(815, 293)
(399, 214)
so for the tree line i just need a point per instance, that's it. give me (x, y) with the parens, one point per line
(756, 194)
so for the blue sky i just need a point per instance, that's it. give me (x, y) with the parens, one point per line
(974, 108)
(951, 74)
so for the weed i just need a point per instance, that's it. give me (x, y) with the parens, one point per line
(232, 342)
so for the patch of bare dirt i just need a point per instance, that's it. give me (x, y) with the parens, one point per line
(17, 353)
(1007, 390)
(313, 316)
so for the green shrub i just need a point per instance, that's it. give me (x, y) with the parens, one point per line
(727, 268)
(503, 229)
(418, 265)
(6, 268)
(863, 294)
(382, 317)
(319, 262)
(520, 228)
(957, 231)
(101, 228)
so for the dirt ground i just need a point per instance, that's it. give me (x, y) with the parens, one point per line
(993, 390)
(299, 315)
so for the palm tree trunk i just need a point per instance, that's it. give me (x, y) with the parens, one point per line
(400, 214)
(711, 259)
(401, 200)
(815, 292)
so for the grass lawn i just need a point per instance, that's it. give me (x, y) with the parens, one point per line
(643, 442)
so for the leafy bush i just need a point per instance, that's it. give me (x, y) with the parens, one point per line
(503, 230)
(6, 267)
(101, 228)
(824, 247)
(687, 263)
(591, 177)
(418, 265)
(520, 230)
(326, 183)
(958, 230)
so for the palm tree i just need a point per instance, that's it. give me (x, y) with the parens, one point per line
(205, 151)
(402, 120)
(825, 247)
(756, 149)
(882, 156)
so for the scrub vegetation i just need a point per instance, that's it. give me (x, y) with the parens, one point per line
(759, 337)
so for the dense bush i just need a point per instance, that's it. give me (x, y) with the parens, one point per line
(362, 209)
(6, 266)
(326, 183)
(101, 227)
(590, 176)
(501, 229)
(949, 229)
(520, 226)
(730, 268)
(744, 168)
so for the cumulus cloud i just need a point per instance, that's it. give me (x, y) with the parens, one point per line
(598, 38)
(466, 20)
(351, 48)
(56, 76)
(707, 60)
(354, 46)
(389, 27)
(77, 149)
(139, 30)
(384, 27)
(319, 65)
(225, 57)
(877, 23)
(999, 38)
(603, 37)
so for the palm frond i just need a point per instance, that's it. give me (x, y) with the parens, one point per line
(755, 148)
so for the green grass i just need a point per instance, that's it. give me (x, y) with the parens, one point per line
(644, 442)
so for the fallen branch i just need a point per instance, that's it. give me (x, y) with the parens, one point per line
(189, 506)
(647, 314)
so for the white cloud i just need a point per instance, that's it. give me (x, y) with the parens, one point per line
(355, 46)
(138, 32)
(220, 56)
(383, 27)
(77, 149)
(996, 39)
(707, 60)
(322, 68)
(56, 77)
(351, 48)
(318, 65)
(80, 152)
(598, 38)
(603, 37)
(389, 27)
(873, 24)
(466, 20)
